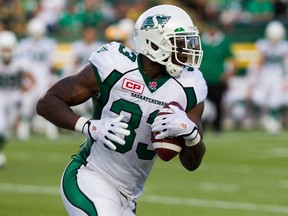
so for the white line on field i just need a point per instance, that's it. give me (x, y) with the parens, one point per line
(57, 157)
(30, 189)
(210, 186)
(219, 204)
(164, 200)
(278, 152)
(41, 156)
(283, 184)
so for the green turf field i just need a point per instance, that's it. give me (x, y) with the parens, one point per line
(243, 174)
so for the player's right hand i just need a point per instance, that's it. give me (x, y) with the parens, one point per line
(107, 130)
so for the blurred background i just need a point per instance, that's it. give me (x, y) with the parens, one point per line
(245, 65)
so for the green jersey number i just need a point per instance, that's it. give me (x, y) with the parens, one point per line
(131, 55)
(136, 114)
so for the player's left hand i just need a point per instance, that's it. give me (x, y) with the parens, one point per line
(174, 125)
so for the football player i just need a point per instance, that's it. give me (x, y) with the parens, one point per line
(267, 90)
(107, 176)
(13, 80)
(37, 52)
(81, 50)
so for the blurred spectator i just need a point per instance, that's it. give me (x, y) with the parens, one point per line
(69, 22)
(280, 9)
(36, 51)
(217, 67)
(2, 27)
(90, 13)
(120, 8)
(260, 10)
(233, 12)
(199, 8)
(79, 14)
(13, 80)
(6, 12)
(268, 76)
(12, 16)
(19, 19)
(136, 9)
(49, 12)
(30, 7)
(82, 49)
(121, 32)
(236, 103)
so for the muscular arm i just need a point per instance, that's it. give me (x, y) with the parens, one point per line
(55, 104)
(191, 157)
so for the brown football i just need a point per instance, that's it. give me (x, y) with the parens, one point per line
(169, 147)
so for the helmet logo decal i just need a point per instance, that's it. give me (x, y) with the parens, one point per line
(180, 29)
(152, 22)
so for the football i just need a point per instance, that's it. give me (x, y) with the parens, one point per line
(169, 147)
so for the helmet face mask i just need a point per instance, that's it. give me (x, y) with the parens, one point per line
(166, 35)
(187, 49)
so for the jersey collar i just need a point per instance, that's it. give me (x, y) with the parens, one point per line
(151, 84)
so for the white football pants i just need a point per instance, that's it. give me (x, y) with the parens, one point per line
(87, 192)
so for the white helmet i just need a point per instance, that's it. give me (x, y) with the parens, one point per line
(163, 30)
(275, 31)
(36, 28)
(8, 42)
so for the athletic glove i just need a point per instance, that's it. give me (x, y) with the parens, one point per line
(104, 130)
(176, 124)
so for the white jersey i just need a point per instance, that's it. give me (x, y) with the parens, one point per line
(125, 89)
(11, 78)
(39, 56)
(274, 56)
(269, 80)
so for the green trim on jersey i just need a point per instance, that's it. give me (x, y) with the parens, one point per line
(108, 84)
(191, 98)
(152, 85)
(84, 152)
(105, 88)
(73, 193)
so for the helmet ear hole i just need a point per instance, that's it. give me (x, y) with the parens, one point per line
(166, 60)
(154, 46)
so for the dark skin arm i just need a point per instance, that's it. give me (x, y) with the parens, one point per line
(191, 157)
(55, 104)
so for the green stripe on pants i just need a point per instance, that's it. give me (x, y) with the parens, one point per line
(73, 192)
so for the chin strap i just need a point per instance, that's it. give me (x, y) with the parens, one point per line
(173, 69)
